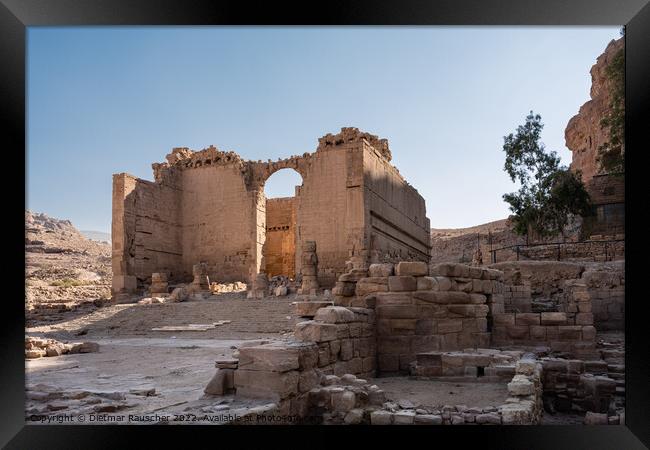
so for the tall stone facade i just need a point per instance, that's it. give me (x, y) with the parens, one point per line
(209, 206)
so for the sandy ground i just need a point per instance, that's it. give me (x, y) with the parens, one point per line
(177, 369)
(249, 319)
(434, 394)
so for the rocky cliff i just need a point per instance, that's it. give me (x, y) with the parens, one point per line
(584, 133)
(63, 268)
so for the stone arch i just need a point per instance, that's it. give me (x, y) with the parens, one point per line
(279, 229)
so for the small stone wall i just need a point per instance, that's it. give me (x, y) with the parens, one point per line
(345, 338)
(562, 332)
(517, 298)
(445, 311)
(537, 286)
(474, 365)
(604, 284)
(568, 385)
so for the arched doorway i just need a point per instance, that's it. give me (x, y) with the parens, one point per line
(282, 193)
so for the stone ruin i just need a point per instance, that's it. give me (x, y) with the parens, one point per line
(354, 243)
(209, 207)
(447, 322)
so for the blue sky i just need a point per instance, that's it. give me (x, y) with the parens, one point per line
(103, 100)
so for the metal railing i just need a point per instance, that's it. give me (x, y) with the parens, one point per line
(608, 255)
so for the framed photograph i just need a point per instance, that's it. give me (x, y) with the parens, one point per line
(364, 216)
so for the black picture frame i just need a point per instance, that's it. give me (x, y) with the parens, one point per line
(16, 15)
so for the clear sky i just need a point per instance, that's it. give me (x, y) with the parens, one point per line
(103, 100)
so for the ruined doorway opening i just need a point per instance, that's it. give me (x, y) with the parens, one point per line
(281, 192)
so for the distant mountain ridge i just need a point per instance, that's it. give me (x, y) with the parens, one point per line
(96, 235)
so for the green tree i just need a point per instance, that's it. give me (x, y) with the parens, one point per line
(549, 193)
(611, 154)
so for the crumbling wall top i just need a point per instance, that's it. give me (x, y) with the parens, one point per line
(351, 134)
(256, 172)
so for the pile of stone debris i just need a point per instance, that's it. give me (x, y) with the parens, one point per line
(222, 288)
(36, 347)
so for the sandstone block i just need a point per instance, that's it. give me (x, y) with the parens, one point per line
(380, 270)
(444, 283)
(569, 332)
(367, 301)
(307, 380)
(412, 268)
(426, 284)
(426, 343)
(369, 285)
(518, 332)
(309, 308)
(394, 298)
(427, 419)
(553, 318)
(588, 333)
(381, 417)
(478, 299)
(54, 350)
(504, 319)
(525, 366)
(584, 307)
(538, 333)
(450, 326)
(488, 418)
(584, 319)
(265, 384)
(354, 417)
(343, 401)
(354, 275)
(403, 417)
(475, 272)
(397, 312)
(343, 331)
(315, 331)
(343, 288)
(221, 383)
(275, 358)
(334, 314)
(515, 414)
(85, 347)
(179, 294)
(442, 297)
(527, 319)
(401, 283)
(449, 341)
(368, 363)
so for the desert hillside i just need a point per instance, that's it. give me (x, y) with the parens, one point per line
(459, 244)
(63, 269)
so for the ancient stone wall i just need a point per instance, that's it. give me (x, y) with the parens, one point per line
(604, 285)
(330, 212)
(280, 245)
(209, 207)
(398, 228)
(217, 226)
(146, 231)
(345, 338)
(537, 286)
(419, 313)
(573, 333)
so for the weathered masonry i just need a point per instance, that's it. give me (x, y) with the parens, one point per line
(209, 206)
